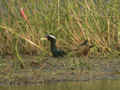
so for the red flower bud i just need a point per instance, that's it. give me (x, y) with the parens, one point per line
(23, 14)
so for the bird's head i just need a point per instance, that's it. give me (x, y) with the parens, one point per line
(51, 37)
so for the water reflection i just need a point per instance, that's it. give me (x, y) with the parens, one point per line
(90, 85)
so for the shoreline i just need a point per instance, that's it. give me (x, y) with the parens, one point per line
(58, 70)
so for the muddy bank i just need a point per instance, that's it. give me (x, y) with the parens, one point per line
(48, 69)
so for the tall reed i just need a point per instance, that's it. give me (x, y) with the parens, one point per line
(70, 20)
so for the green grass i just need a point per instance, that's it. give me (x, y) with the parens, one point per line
(69, 20)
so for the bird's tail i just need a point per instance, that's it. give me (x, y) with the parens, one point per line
(84, 43)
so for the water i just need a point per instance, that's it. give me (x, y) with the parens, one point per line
(84, 85)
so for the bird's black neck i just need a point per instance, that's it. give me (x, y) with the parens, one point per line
(53, 46)
(55, 51)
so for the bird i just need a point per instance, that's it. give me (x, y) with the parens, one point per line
(56, 52)
(83, 49)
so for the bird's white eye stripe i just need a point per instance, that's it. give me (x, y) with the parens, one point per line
(52, 36)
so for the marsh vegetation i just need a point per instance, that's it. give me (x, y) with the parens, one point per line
(70, 21)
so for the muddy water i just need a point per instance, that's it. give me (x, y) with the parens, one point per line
(84, 85)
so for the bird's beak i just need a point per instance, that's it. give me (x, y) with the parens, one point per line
(43, 38)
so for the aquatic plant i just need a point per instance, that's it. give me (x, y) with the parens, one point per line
(71, 21)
